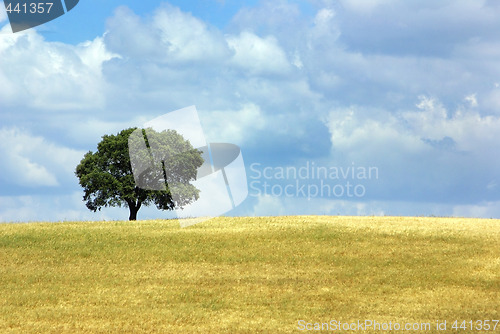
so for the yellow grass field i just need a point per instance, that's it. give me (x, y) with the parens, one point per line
(249, 275)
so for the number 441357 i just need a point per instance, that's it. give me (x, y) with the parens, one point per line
(485, 325)
(31, 8)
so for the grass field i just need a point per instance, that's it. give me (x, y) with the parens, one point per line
(247, 275)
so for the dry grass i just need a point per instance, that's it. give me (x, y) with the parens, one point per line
(246, 275)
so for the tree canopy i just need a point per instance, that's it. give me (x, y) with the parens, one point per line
(163, 162)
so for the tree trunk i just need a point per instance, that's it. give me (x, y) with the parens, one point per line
(134, 208)
(133, 213)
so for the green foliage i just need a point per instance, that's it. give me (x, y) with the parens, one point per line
(107, 179)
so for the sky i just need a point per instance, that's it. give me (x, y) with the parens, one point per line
(396, 104)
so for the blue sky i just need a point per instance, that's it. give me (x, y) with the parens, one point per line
(411, 88)
(89, 20)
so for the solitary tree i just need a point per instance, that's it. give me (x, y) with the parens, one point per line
(166, 162)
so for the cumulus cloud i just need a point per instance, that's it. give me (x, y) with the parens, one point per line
(471, 100)
(234, 126)
(351, 128)
(416, 95)
(259, 56)
(425, 28)
(323, 18)
(188, 38)
(172, 36)
(428, 151)
(93, 54)
(31, 161)
(470, 130)
(175, 37)
(49, 75)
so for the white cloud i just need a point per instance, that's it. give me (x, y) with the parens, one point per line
(323, 34)
(259, 56)
(471, 131)
(188, 38)
(351, 129)
(49, 75)
(427, 153)
(22, 171)
(234, 126)
(128, 36)
(94, 54)
(32, 161)
(17, 167)
(324, 17)
(425, 28)
(172, 36)
(267, 81)
(296, 61)
(471, 100)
